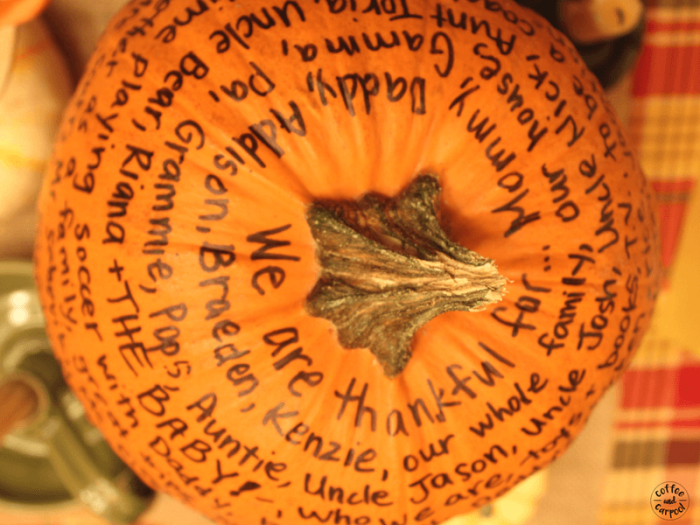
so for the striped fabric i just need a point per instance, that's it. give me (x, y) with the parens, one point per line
(657, 436)
(665, 118)
(657, 424)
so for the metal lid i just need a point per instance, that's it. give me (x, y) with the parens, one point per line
(59, 455)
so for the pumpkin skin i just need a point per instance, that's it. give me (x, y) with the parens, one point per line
(174, 257)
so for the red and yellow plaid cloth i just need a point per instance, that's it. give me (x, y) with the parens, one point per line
(665, 119)
(656, 436)
(656, 428)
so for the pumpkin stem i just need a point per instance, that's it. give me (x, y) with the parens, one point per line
(387, 268)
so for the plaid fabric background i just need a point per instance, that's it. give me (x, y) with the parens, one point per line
(656, 433)
(665, 117)
(657, 425)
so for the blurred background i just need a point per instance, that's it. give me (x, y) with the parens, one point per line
(646, 430)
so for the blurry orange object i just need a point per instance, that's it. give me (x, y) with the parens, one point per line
(35, 84)
(16, 12)
(593, 21)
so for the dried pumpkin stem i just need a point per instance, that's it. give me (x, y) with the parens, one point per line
(387, 268)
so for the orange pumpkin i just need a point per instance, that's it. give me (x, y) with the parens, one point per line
(360, 262)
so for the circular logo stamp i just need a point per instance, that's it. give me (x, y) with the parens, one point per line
(669, 500)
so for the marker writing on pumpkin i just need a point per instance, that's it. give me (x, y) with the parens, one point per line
(493, 96)
(425, 486)
(347, 88)
(190, 66)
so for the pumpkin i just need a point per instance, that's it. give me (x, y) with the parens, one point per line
(361, 262)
